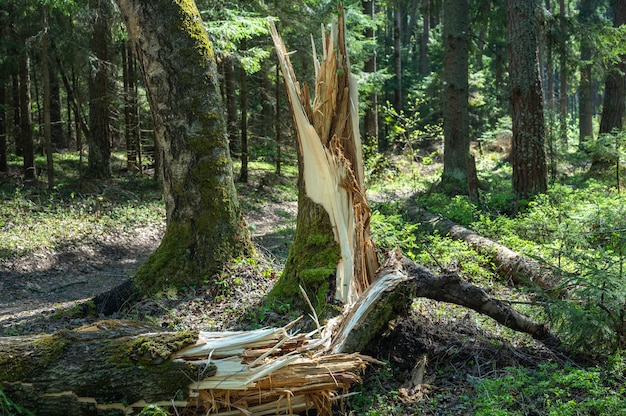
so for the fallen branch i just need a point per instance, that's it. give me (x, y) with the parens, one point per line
(402, 280)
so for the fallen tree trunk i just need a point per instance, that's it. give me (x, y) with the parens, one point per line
(118, 367)
(511, 265)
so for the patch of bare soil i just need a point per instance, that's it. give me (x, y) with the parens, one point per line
(42, 291)
(34, 288)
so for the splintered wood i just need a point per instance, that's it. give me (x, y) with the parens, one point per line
(269, 371)
(330, 145)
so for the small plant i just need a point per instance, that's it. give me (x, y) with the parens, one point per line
(9, 407)
(153, 410)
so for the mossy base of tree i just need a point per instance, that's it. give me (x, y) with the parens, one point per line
(312, 262)
(180, 261)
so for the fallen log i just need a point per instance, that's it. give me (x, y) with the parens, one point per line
(118, 367)
(511, 265)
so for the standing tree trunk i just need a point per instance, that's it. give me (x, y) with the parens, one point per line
(99, 117)
(332, 256)
(59, 140)
(425, 38)
(47, 92)
(397, 55)
(231, 106)
(455, 112)
(205, 227)
(3, 127)
(528, 156)
(243, 96)
(371, 111)
(585, 103)
(615, 85)
(563, 75)
(26, 128)
(612, 117)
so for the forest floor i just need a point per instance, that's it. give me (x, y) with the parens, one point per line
(445, 350)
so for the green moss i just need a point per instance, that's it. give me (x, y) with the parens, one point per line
(151, 349)
(312, 261)
(28, 359)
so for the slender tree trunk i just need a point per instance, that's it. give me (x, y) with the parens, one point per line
(425, 38)
(456, 114)
(585, 102)
(26, 128)
(612, 117)
(371, 111)
(563, 75)
(47, 92)
(205, 228)
(277, 121)
(231, 107)
(615, 86)
(3, 126)
(549, 91)
(17, 120)
(528, 153)
(243, 96)
(59, 139)
(99, 138)
(131, 154)
(397, 56)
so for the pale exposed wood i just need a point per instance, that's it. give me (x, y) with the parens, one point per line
(330, 144)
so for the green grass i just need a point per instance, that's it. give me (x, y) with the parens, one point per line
(33, 218)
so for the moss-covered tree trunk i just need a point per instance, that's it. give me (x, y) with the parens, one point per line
(108, 368)
(205, 227)
(528, 156)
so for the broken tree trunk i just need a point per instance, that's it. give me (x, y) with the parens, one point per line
(331, 173)
(511, 265)
(118, 367)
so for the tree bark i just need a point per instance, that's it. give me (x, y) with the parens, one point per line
(612, 117)
(456, 113)
(425, 39)
(332, 249)
(563, 74)
(397, 56)
(370, 121)
(243, 96)
(205, 228)
(26, 128)
(400, 281)
(3, 127)
(231, 107)
(108, 367)
(528, 156)
(47, 99)
(585, 104)
(99, 138)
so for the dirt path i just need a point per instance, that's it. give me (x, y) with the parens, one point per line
(34, 288)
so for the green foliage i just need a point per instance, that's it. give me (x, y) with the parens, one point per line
(459, 208)
(10, 408)
(152, 410)
(390, 231)
(549, 390)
